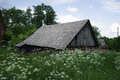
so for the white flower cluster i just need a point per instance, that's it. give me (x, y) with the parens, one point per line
(117, 62)
(60, 75)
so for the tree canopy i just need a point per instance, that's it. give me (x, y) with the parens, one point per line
(43, 15)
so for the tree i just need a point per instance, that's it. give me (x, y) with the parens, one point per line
(38, 15)
(28, 15)
(6, 17)
(50, 15)
(43, 14)
(96, 31)
(14, 16)
(18, 16)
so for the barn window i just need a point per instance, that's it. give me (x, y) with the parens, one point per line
(84, 37)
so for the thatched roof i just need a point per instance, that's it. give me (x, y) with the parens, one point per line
(54, 36)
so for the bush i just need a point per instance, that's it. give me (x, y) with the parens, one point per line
(17, 33)
(114, 44)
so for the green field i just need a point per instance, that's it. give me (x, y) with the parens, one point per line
(59, 65)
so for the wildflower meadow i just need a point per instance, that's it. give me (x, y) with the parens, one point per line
(59, 65)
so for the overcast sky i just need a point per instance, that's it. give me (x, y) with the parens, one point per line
(105, 14)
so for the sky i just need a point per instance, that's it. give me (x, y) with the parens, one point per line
(104, 14)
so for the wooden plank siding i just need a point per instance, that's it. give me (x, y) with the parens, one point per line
(83, 39)
(1, 29)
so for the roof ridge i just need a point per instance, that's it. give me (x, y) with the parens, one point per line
(67, 22)
(76, 21)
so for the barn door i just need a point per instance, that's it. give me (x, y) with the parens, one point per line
(84, 37)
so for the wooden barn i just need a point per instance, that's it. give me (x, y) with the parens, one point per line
(1, 29)
(102, 44)
(77, 34)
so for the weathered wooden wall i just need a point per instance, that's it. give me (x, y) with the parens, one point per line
(1, 29)
(83, 39)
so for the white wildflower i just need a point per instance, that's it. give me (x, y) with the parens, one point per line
(3, 78)
(23, 58)
(14, 77)
(29, 72)
(62, 76)
(24, 77)
(79, 72)
(59, 74)
(66, 76)
(51, 73)
(0, 74)
(49, 76)
(4, 61)
(36, 70)
(47, 63)
(30, 66)
(64, 63)
(55, 74)
(63, 73)
(53, 62)
(23, 73)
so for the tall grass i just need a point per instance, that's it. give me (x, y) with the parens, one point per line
(59, 65)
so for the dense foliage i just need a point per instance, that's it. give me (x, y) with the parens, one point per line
(60, 65)
(96, 31)
(18, 33)
(19, 24)
(112, 43)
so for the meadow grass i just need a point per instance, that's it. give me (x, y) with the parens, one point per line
(59, 65)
